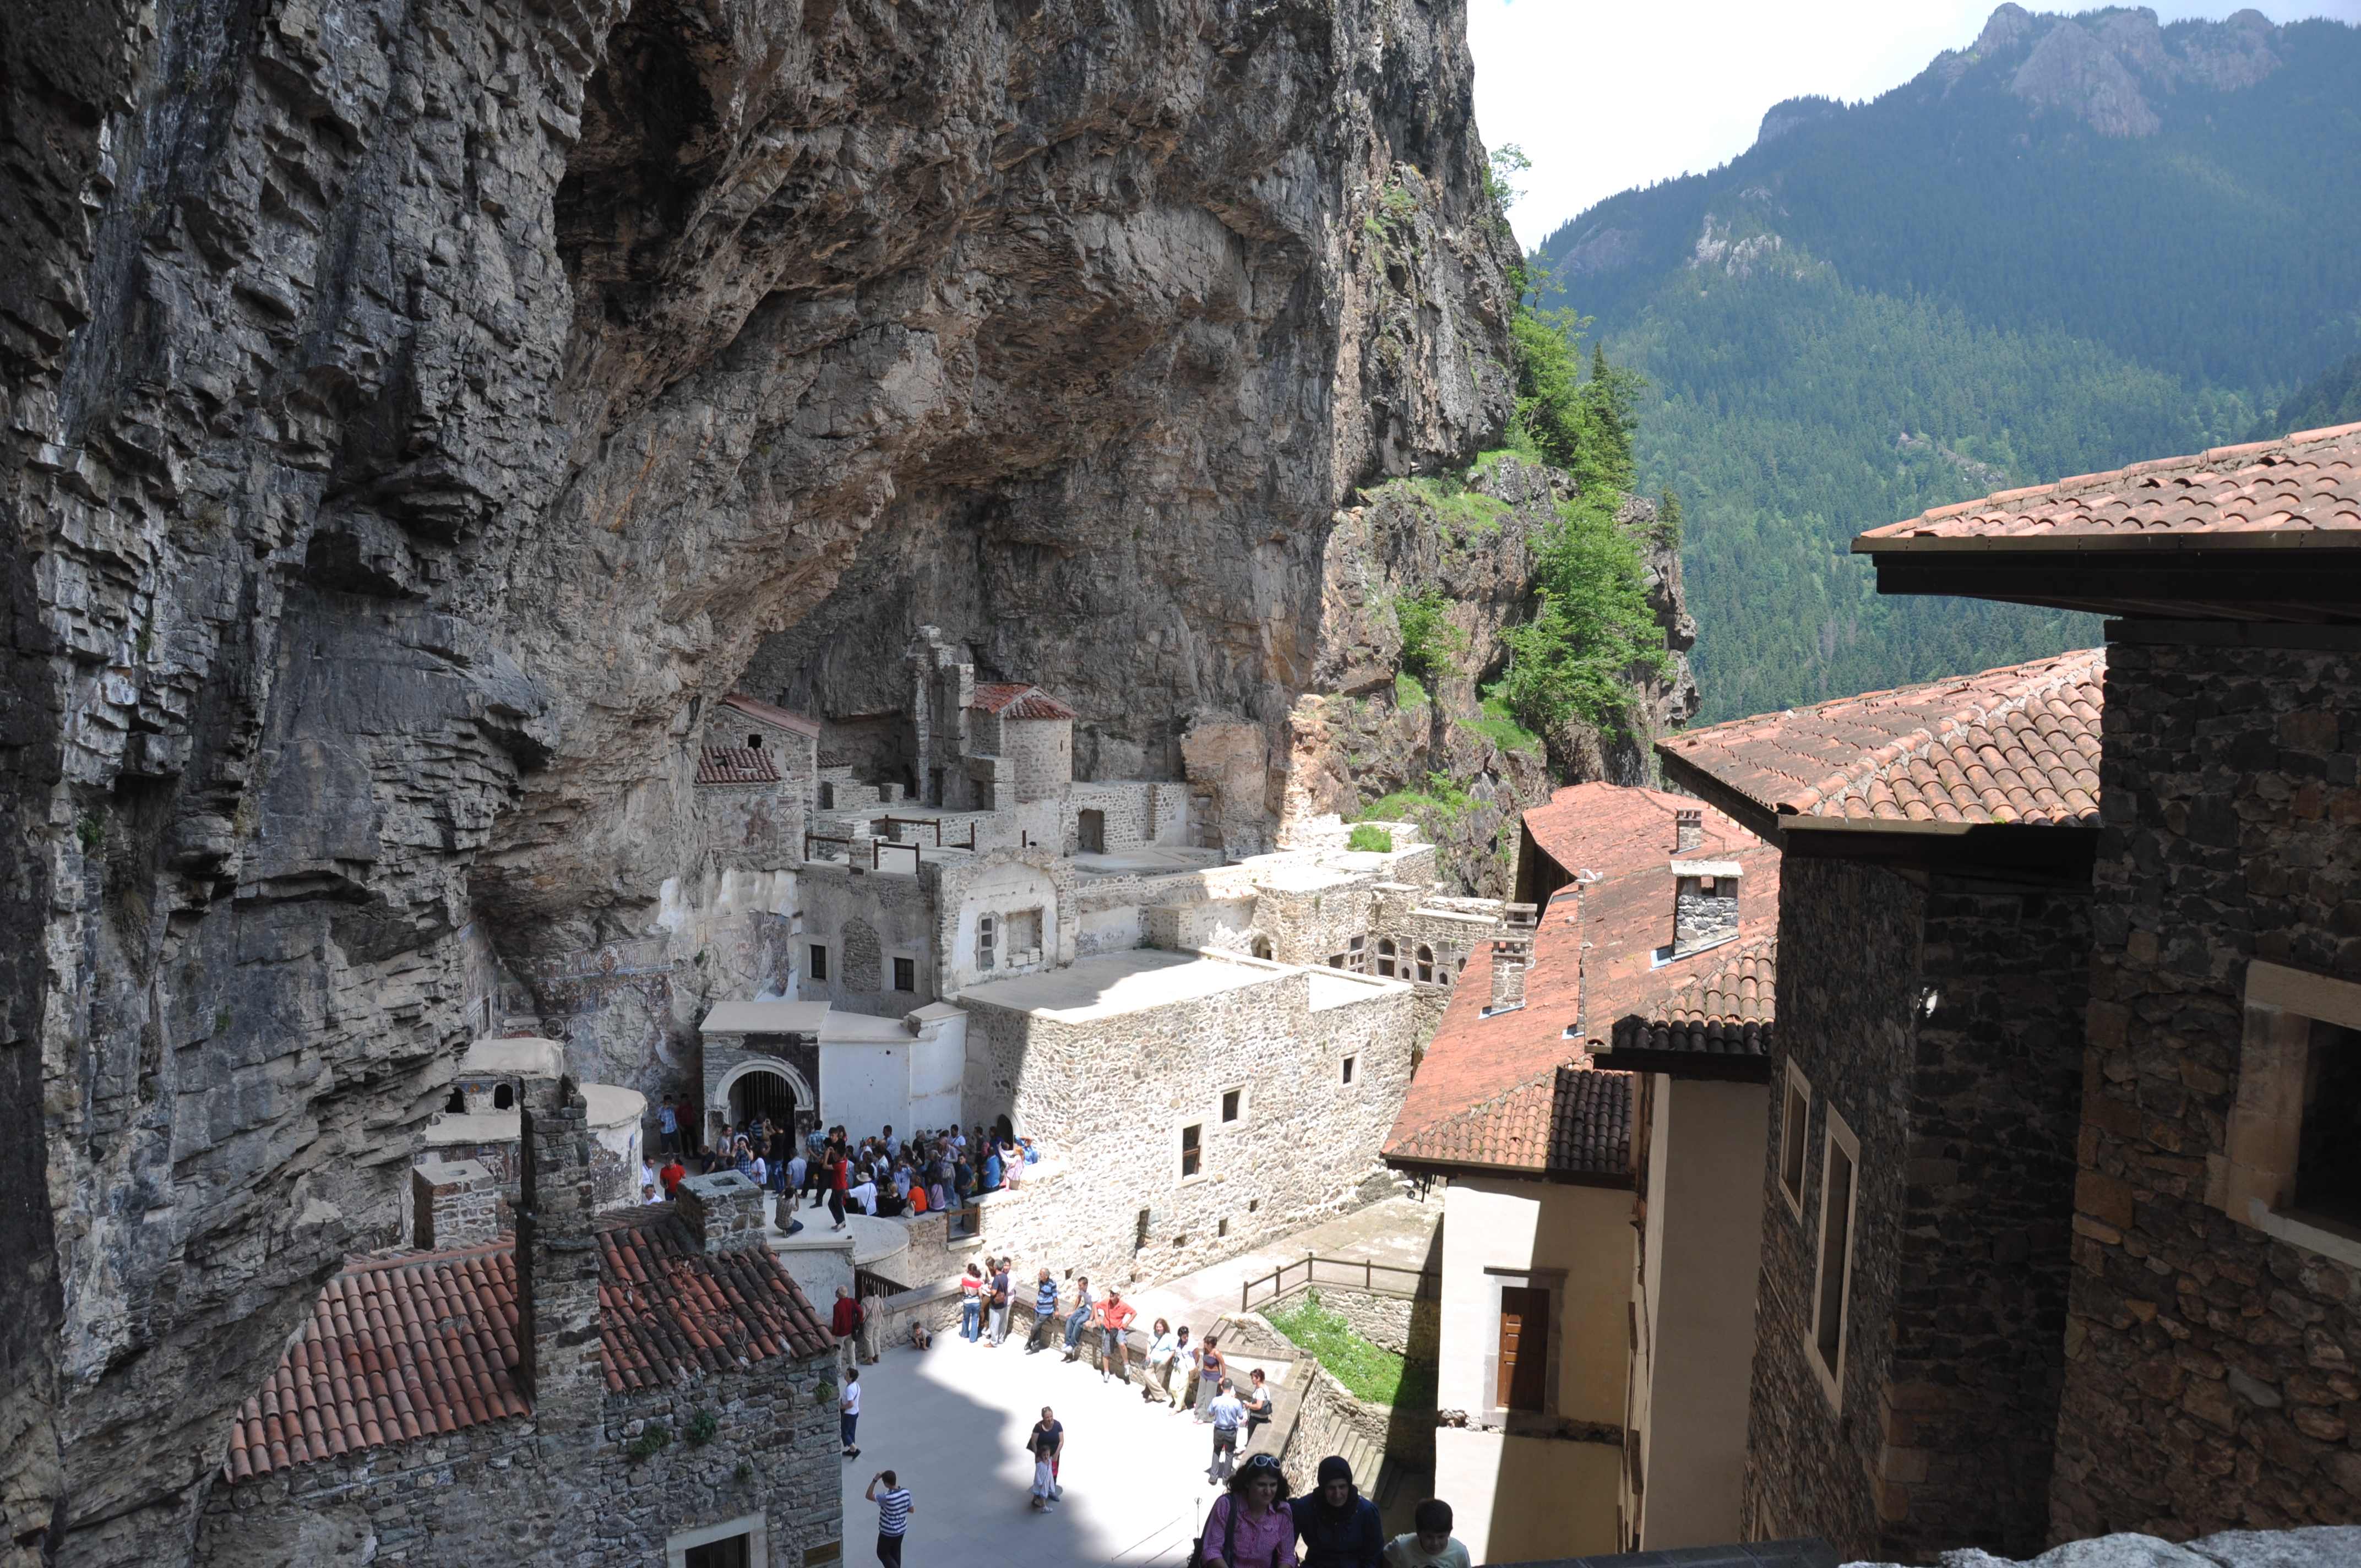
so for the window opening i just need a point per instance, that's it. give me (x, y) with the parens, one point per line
(1831, 1297)
(1350, 1062)
(1794, 1121)
(827, 798)
(1386, 957)
(727, 1553)
(1139, 1228)
(1426, 963)
(1089, 832)
(1357, 954)
(1230, 1100)
(1192, 1156)
(1024, 933)
(987, 930)
(754, 742)
(504, 1098)
(906, 974)
(2328, 1148)
(818, 962)
(458, 1104)
(1525, 1347)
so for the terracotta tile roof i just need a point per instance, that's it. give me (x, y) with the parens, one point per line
(668, 1310)
(2018, 744)
(1725, 1014)
(2303, 488)
(397, 1349)
(1013, 701)
(1602, 941)
(425, 1342)
(1564, 1121)
(735, 765)
(771, 714)
(834, 760)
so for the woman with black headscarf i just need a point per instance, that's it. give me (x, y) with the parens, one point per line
(1340, 1528)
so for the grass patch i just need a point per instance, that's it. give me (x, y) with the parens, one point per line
(1440, 799)
(1372, 1373)
(1467, 512)
(1499, 726)
(1376, 840)
(1407, 693)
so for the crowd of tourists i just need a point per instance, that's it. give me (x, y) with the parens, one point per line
(882, 1175)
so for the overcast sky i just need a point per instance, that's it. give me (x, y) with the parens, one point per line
(1604, 97)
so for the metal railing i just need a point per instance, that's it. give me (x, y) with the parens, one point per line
(934, 822)
(1351, 1273)
(877, 848)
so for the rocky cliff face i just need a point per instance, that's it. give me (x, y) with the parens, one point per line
(1370, 734)
(414, 414)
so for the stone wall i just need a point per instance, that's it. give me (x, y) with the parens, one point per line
(1849, 984)
(511, 1492)
(1040, 754)
(2211, 1370)
(1110, 1095)
(455, 1205)
(1938, 1018)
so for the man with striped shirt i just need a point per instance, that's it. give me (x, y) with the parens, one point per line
(893, 1507)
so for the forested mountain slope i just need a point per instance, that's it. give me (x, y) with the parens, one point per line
(2079, 243)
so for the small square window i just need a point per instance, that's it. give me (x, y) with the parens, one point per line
(1191, 1150)
(1233, 1100)
(1350, 1064)
(817, 966)
(906, 974)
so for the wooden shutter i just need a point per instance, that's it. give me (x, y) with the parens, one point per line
(1524, 1348)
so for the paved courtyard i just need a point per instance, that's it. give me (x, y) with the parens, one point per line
(951, 1423)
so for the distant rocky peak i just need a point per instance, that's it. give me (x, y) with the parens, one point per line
(2101, 66)
(1784, 116)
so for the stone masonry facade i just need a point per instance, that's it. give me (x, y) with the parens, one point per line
(1113, 1095)
(1940, 1019)
(2212, 1377)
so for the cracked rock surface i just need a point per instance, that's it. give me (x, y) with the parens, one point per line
(415, 413)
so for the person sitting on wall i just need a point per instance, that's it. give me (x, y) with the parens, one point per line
(862, 1194)
(992, 1171)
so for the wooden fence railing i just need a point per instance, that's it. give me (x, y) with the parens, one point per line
(1349, 1273)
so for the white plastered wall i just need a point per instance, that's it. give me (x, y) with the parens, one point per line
(1000, 891)
(1532, 1497)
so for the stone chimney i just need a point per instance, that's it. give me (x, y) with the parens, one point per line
(1688, 829)
(454, 1204)
(558, 1267)
(723, 1211)
(1513, 954)
(1705, 905)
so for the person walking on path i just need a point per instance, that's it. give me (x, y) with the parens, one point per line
(1227, 1416)
(1251, 1526)
(1340, 1528)
(1212, 1371)
(1046, 1443)
(1255, 1398)
(1432, 1546)
(1161, 1347)
(999, 1303)
(845, 1324)
(849, 1413)
(892, 1518)
(1114, 1352)
(1080, 1318)
(1045, 1313)
(1184, 1370)
(972, 1304)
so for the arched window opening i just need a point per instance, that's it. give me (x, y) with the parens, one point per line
(1262, 948)
(458, 1104)
(504, 1098)
(1426, 963)
(1386, 957)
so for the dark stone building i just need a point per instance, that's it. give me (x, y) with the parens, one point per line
(2211, 1354)
(645, 1386)
(1934, 923)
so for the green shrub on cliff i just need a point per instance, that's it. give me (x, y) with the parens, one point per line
(1592, 633)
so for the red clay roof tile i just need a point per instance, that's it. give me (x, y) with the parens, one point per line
(1565, 1121)
(1013, 700)
(2307, 486)
(1728, 1012)
(735, 765)
(425, 1342)
(2016, 744)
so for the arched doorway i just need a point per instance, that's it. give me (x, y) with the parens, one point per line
(770, 1090)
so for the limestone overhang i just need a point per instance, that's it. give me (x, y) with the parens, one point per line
(2266, 531)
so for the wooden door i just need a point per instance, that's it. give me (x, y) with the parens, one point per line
(1524, 1348)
